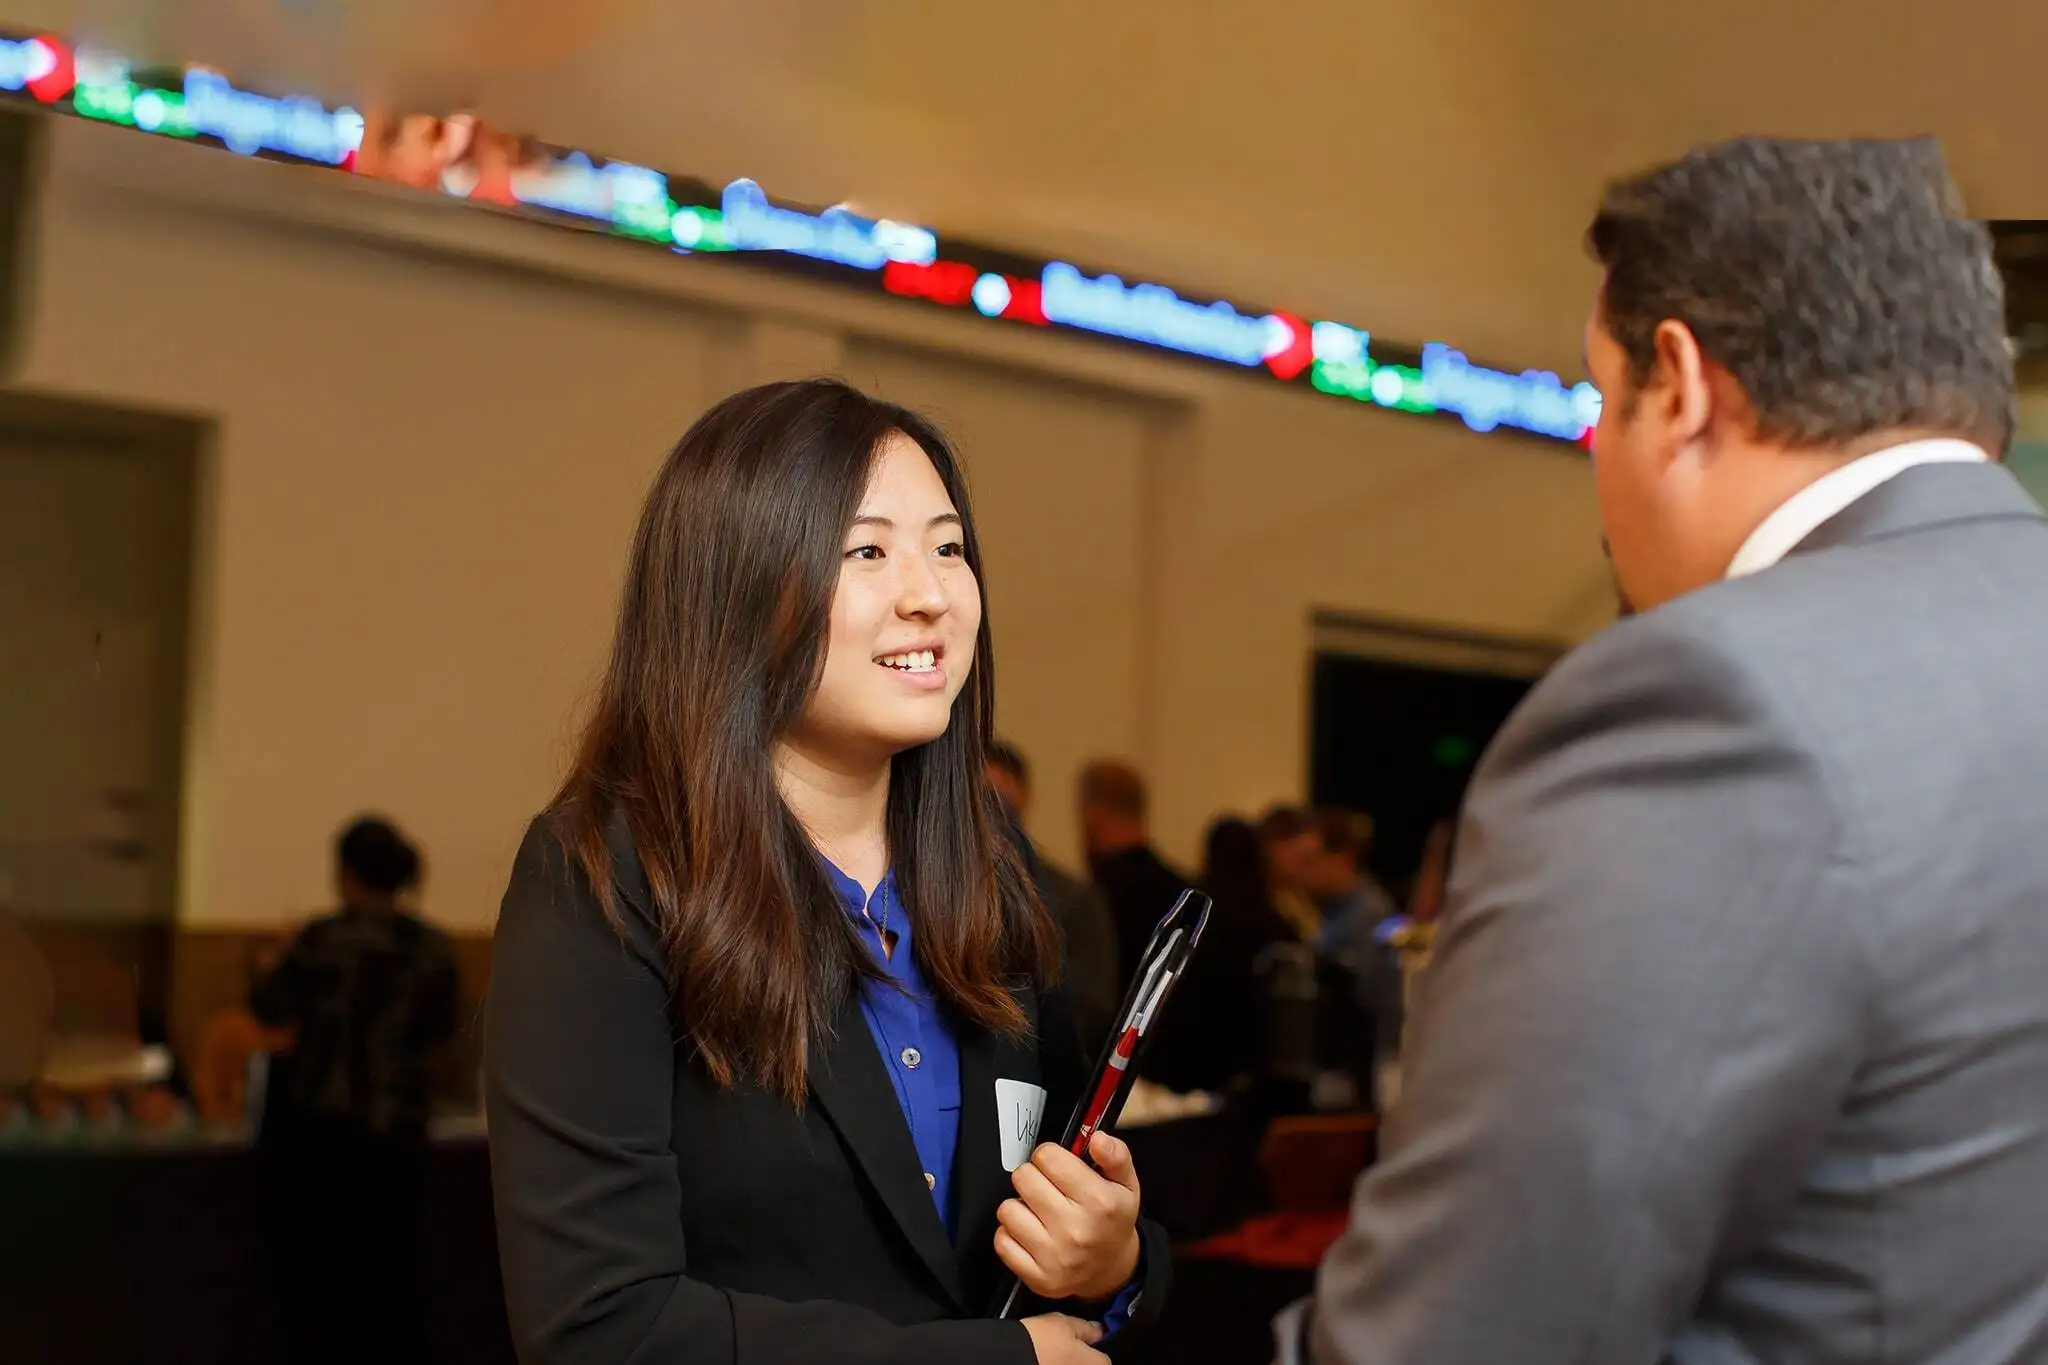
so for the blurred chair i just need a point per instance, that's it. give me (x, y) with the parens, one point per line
(1311, 1161)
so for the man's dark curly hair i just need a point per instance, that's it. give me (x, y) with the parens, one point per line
(1836, 281)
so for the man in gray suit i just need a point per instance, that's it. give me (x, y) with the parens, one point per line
(1735, 1044)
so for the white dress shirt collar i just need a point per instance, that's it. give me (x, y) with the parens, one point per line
(1800, 515)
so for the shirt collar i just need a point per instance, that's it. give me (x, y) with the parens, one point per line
(856, 899)
(1800, 515)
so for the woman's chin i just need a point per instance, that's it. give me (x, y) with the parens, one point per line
(913, 728)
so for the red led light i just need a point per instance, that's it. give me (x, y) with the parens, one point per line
(1026, 302)
(56, 83)
(947, 282)
(1299, 352)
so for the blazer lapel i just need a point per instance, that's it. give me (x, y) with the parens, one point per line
(980, 1182)
(850, 1085)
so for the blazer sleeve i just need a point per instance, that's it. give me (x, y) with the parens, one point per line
(1644, 1010)
(580, 1088)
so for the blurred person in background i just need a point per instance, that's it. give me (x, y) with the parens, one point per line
(1083, 916)
(1349, 955)
(1289, 839)
(1433, 876)
(1335, 874)
(775, 1011)
(367, 996)
(1393, 953)
(1734, 1045)
(1139, 886)
(1210, 1038)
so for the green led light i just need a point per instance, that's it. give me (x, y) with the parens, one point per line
(696, 228)
(1401, 387)
(107, 103)
(1346, 379)
(1453, 751)
(173, 118)
(648, 221)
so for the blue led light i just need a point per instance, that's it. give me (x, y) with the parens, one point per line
(1586, 403)
(991, 295)
(636, 186)
(1335, 344)
(97, 66)
(634, 201)
(687, 227)
(1535, 400)
(1155, 315)
(249, 123)
(573, 185)
(836, 235)
(27, 60)
(149, 110)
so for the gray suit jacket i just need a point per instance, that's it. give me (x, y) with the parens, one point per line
(1735, 1047)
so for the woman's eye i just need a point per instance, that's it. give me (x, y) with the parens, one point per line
(953, 550)
(865, 552)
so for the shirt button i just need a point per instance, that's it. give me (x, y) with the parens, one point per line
(931, 1182)
(911, 1057)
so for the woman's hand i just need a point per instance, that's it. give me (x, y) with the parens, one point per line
(1059, 1340)
(1072, 1232)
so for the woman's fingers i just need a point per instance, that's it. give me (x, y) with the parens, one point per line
(1113, 1158)
(1019, 1262)
(1027, 1229)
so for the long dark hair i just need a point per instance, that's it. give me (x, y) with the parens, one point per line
(721, 640)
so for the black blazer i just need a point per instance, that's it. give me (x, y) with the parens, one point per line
(647, 1215)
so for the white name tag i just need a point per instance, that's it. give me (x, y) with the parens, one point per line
(1019, 1106)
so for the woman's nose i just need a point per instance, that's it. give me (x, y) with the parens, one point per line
(923, 593)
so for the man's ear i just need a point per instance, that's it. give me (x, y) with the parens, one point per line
(1680, 381)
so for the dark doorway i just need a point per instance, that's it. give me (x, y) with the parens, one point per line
(1399, 717)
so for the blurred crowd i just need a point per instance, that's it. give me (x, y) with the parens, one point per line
(1299, 983)
(1298, 986)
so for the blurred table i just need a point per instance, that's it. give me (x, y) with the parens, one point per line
(113, 1255)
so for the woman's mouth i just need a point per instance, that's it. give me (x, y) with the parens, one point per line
(919, 668)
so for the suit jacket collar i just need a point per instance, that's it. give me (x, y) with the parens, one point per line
(1923, 498)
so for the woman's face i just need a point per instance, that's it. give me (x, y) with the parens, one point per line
(905, 618)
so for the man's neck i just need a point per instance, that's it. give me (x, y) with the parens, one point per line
(1766, 477)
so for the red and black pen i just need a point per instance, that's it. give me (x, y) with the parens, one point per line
(1105, 1088)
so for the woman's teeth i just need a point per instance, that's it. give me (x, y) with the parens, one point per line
(917, 661)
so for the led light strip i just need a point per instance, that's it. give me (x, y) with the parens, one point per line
(467, 160)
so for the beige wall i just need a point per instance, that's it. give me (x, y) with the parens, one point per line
(433, 429)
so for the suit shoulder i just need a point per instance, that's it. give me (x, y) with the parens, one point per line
(1678, 657)
(550, 880)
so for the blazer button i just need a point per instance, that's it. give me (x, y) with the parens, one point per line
(931, 1182)
(911, 1057)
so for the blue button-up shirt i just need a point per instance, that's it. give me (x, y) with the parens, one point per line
(913, 1034)
(919, 1049)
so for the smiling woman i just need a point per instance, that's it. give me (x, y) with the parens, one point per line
(768, 1129)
